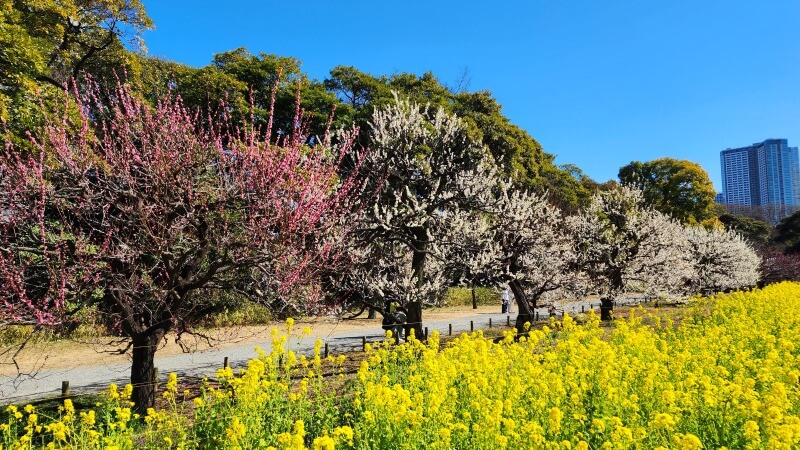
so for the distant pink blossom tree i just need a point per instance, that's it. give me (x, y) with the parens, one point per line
(777, 266)
(145, 212)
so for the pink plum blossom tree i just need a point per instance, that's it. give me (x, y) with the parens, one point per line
(145, 214)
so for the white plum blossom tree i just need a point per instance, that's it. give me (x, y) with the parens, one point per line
(423, 165)
(722, 260)
(382, 271)
(621, 245)
(521, 243)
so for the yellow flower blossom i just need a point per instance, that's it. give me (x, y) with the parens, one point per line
(657, 378)
(236, 430)
(687, 442)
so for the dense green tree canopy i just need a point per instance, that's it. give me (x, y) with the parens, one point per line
(589, 186)
(679, 188)
(355, 88)
(757, 232)
(48, 41)
(244, 82)
(158, 76)
(520, 155)
(787, 232)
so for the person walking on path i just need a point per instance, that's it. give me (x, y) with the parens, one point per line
(506, 301)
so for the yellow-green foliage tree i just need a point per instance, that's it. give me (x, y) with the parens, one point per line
(45, 43)
(676, 187)
(48, 41)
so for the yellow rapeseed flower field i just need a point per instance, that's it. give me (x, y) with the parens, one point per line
(723, 373)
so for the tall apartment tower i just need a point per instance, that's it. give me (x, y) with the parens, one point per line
(765, 173)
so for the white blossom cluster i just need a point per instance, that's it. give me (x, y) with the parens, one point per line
(722, 260)
(521, 242)
(624, 245)
(383, 271)
(424, 167)
(442, 216)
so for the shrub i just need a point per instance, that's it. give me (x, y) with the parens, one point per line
(463, 296)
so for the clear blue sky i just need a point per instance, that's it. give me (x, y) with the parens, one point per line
(599, 84)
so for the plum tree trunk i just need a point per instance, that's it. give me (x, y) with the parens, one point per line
(524, 307)
(606, 308)
(607, 301)
(143, 370)
(474, 300)
(414, 319)
(414, 309)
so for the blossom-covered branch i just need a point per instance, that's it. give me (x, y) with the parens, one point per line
(144, 213)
